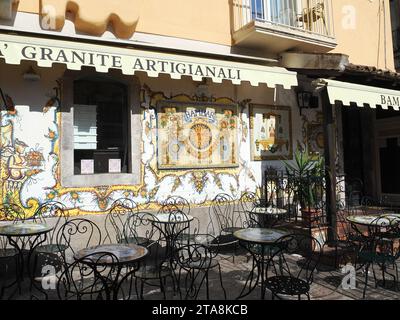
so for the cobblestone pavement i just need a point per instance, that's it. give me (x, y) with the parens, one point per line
(327, 285)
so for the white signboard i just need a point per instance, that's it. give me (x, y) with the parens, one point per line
(87, 166)
(114, 165)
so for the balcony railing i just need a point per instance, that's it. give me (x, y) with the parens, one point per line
(310, 16)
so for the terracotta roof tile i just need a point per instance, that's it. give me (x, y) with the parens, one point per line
(380, 73)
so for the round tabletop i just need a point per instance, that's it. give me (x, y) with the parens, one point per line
(268, 211)
(125, 253)
(260, 235)
(373, 220)
(24, 229)
(170, 218)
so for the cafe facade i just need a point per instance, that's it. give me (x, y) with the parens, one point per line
(86, 124)
(95, 109)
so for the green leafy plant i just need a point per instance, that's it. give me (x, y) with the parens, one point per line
(305, 175)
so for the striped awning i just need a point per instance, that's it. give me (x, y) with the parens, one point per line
(361, 95)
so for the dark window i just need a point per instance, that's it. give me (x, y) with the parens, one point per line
(390, 171)
(101, 132)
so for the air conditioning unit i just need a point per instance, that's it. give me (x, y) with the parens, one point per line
(6, 9)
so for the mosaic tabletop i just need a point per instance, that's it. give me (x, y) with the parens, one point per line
(369, 220)
(24, 229)
(170, 218)
(268, 210)
(260, 235)
(124, 252)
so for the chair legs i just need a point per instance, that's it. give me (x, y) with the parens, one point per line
(220, 281)
(200, 276)
(366, 280)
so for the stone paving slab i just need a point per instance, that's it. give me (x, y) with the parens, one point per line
(327, 285)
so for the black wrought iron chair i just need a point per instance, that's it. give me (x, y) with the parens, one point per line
(180, 227)
(378, 249)
(155, 268)
(8, 259)
(9, 213)
(369, 205)
(195, 261)
(116, 218)
(291, 276)
(89, 278)
(247, 202)
(49, 253)
(335, 241)
(224, 220)
(180, 203)
(76, 234)
(139, 229)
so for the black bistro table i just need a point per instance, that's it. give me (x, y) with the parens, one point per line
(20, 235)
(258, 242)
(267, 216)
(373, 222)
(169, 226)
(127, 255)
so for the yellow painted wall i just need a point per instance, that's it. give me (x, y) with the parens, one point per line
(365, 44)
(206, 20)
(210, 21)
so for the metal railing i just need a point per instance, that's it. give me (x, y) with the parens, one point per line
(311, 16)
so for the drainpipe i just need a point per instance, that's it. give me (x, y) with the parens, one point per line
(2, 100)
(329, 154)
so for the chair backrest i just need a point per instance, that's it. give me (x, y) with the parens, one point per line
(367, 205)
(344, 230)
(381, 229)
(140, 229)
(148, 233)
(297, 256)
(116, 218)
(77, 234)
(51, 211)
(222, 214)
(179, 223)
(90, 277)
(248, 201)
(179, 202)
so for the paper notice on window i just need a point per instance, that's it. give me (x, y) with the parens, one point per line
(114, 165)
(87, 166)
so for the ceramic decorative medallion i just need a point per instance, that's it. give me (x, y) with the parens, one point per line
(313, 135)
(196, 135)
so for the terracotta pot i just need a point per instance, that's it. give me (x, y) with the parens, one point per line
(310, 215)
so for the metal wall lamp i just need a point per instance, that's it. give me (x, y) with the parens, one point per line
(306, 100)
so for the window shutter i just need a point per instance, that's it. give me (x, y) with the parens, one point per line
(85, 127)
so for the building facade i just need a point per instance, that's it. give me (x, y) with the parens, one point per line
(147, 99)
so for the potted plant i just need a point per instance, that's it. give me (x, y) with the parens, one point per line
(305, 175)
